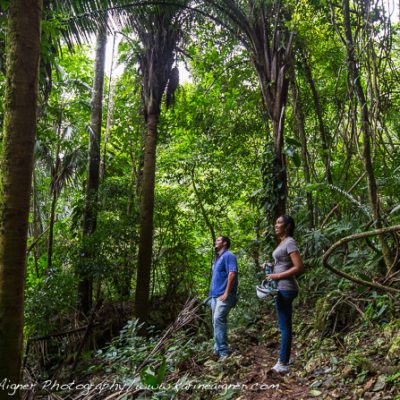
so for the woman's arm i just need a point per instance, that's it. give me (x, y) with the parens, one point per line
(296, 269)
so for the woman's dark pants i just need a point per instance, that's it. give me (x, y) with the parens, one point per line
(283, 305)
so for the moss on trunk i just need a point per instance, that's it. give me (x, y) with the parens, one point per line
(15, 178)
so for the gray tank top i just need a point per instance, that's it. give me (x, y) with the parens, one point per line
(283, 262)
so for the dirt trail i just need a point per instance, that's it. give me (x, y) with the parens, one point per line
(257, 379)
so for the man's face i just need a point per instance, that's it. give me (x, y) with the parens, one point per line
(219, 244)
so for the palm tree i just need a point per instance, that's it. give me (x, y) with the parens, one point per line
(159, 28)
(24, 25)
(260, 27)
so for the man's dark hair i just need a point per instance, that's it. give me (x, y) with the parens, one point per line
(227, 240)
(289, 224)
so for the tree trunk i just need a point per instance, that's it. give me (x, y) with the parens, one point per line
(210, 226)
(146, 220)
(321, 127)
(51, 230)
(158, 33)
(366, 131)
(16, 177)
(85, 287)
(37, 226)
(109, 119)
(299, 122)
(271, 58)
(54, 192)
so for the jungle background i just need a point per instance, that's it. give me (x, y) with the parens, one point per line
(162, 125)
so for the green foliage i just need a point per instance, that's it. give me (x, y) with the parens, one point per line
(153, 378)
(380, 308)
(126, 351)
(214, 176)
(48, 300)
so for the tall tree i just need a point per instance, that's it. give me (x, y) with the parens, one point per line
(301, 132)
(159, 29)
(85, 287)
(23, 49)
(260, 26)
(356, 79)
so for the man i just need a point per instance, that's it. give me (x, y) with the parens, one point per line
(223, 293)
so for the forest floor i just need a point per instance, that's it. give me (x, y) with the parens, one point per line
(360, 361)
(349, 366)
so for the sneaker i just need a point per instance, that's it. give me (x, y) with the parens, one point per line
(280, 368)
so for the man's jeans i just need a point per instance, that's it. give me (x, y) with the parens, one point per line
(283, 305)
(220, 310)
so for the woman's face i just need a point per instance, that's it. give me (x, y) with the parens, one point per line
(280, 227)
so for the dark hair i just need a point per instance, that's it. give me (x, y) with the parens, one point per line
(289, 224)
(226, 240)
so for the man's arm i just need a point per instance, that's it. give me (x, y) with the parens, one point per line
(229, 286)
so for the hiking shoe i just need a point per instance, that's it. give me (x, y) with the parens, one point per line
(280, 368)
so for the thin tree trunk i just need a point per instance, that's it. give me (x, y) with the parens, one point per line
(280, 182)
(146, 220)
(16, 177)
(37, 227)
(85, 287)
(203, 211)
(51, 230)
(321, 127)
(54, 192)
(365, 126)
(109, 119)
(299, 120)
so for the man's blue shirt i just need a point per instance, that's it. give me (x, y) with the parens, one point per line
(224, 263)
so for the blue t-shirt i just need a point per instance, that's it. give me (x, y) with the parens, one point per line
(224, 263)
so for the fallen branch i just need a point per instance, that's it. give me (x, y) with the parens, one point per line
(89, 328)
(350, 238)
(187, 315)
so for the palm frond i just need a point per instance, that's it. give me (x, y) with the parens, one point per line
(81, 19)
(352, 199)
(71, 162)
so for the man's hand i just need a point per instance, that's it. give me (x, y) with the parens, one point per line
(223, 297)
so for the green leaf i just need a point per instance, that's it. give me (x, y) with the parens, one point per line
(293, 142)
(296, 160)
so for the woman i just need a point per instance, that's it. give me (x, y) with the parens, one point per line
(288, 263)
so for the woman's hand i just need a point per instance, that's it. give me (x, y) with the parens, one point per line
(272, 277)
(262, 266)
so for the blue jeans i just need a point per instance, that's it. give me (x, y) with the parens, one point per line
(220, 310)
(283, 305)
